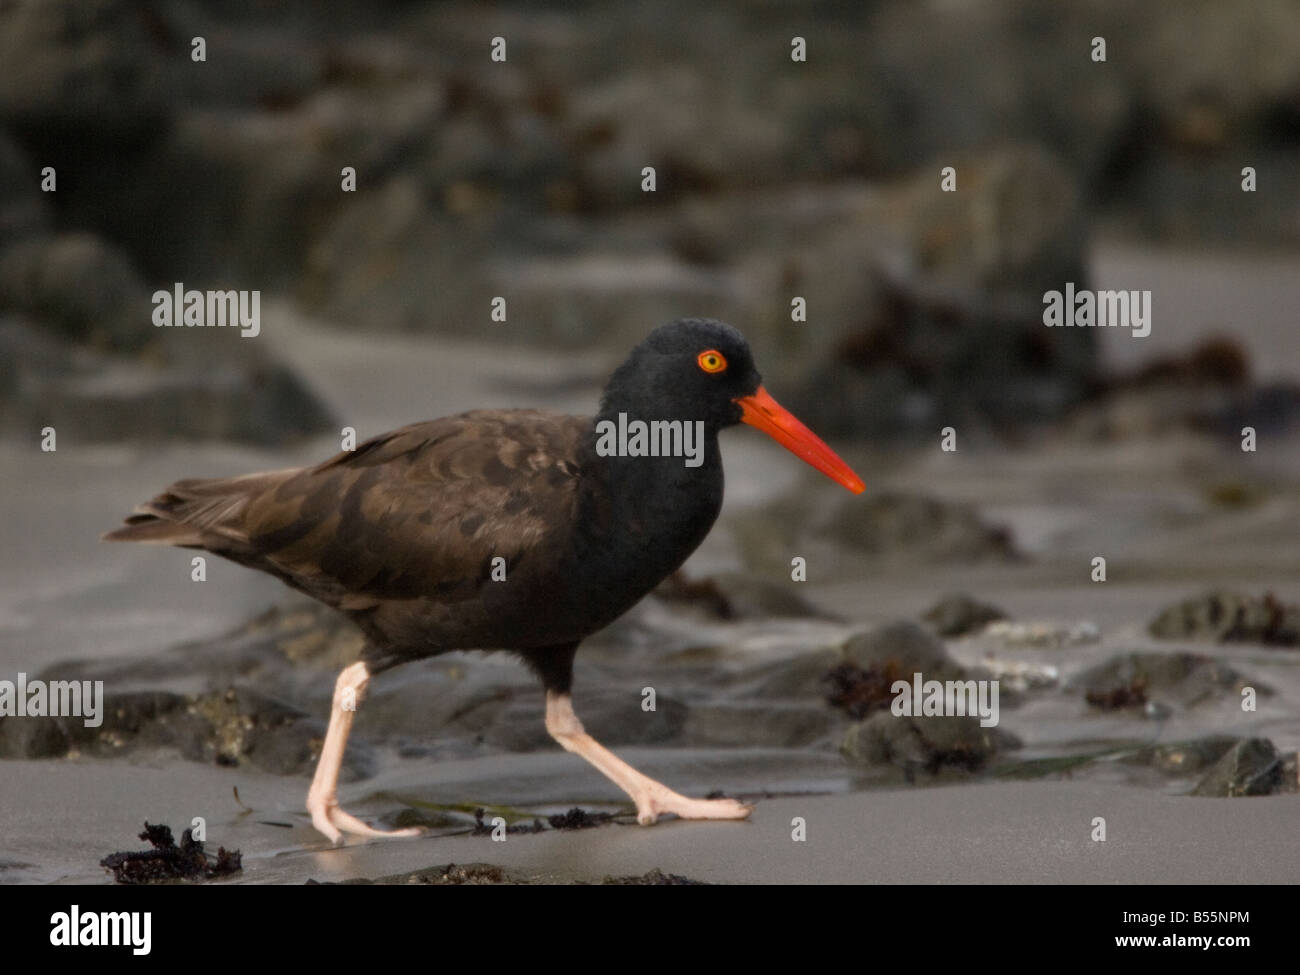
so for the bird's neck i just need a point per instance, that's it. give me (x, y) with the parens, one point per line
(652, 491)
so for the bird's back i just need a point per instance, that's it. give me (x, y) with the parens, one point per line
(404, 533)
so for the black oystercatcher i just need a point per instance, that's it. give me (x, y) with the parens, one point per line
(501, 529)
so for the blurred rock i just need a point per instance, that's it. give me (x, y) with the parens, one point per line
(860, 691)
(293, 652)
(80, 286)
(1251, 767)
(919, 528)
(231, 727)
(369, 265)
(71, 303)
(959, 615)
(637, 120)
(500, 706)
(72, 65)
(108, 398)
(803, 677)
(27, 355)
(608, 299)
(745, 726)
(1208, 389)
(430, 706)
(735, 596)
(945, 304)
(257, 185)
(1013, 228)
(1184, 758)
(1132, 680)
(24, 210)
(233, 699)
(925, 743)
(1230, 617)
(1159, 409)
(1149, 128)
(263, 62)
(523, 177)
(871, 661)
(909, 646)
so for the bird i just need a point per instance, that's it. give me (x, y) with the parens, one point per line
(510, 529)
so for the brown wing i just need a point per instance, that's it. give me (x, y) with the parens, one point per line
(417, 514)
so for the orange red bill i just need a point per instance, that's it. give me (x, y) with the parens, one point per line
(766, 414)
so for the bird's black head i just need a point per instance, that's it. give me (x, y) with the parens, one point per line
(701, 369)
(689, 369)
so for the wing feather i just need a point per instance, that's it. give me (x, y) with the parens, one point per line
(414, 515)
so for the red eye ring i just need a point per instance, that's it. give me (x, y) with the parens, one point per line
(711, 360)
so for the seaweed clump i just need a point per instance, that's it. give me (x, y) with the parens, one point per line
(167, 861)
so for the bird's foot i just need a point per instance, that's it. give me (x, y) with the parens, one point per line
(329, 819)
(653, 804)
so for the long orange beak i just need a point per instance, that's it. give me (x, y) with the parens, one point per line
(777, 422)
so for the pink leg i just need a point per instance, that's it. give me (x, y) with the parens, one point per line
(652, 798)
(322, 797)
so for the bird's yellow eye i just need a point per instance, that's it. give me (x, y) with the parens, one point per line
(712, 361)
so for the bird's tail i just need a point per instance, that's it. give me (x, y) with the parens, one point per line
(195, 513)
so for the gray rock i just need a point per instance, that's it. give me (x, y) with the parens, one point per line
(924, 743)
(1249, 768)
(918, 528)
(230, 727)
(637, 115)
(874, 660)
(292, 652)
(747, 726)
(368, 265)
(435, 701)
(27, 354)
(802, 677)
(75, 65)
(260, 403)
(736, 596)
(613, 715)
(1184, 758)
(959, 615)
(80, 286)
(1230, 617)
(88, 395)
(947, 327)
(504, 708)
(1207, 389)
(1136, 678)
(905, 644)
(33, 738)
(24, 210)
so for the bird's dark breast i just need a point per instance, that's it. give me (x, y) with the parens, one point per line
(635, 536)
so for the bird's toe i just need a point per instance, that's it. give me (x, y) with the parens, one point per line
(686, 808)
(333, 822)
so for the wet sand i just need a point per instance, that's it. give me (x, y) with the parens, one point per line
(1013, 832)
